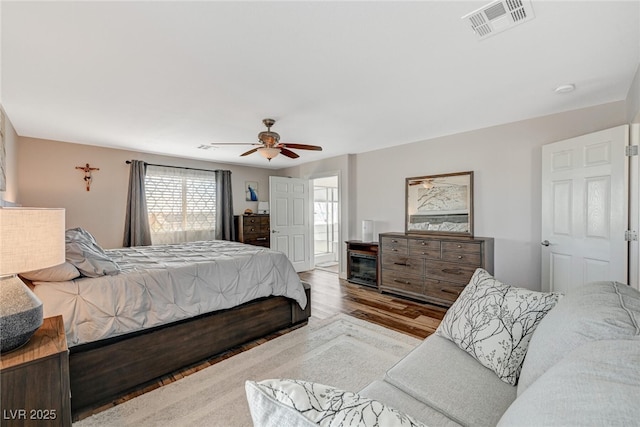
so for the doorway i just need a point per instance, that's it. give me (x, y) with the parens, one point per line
(326, 223)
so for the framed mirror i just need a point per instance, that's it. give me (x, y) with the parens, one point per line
(440, 204)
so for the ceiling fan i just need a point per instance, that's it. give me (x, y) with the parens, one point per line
(269, 145)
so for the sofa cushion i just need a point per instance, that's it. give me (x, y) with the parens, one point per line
(396, 398)
(597, 384)
(595, 311)
(452, 382)
(494, 322)
(281, 403)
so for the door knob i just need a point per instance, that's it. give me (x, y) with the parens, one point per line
(545, 243)
(274, 231)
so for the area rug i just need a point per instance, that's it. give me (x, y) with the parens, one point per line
(342, 351)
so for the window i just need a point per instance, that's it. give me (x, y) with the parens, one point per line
(181, 204)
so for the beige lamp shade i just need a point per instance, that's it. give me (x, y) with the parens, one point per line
(31, 239)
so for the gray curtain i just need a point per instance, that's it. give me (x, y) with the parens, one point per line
(136, 228)
(224, 209)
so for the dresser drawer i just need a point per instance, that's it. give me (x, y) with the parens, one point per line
(449, 272)
(405, 264)
(462, 257)
(402, 281)
(467, 247)
(443, 290)
(257, 240)
(425, 248)
(256, 225)
(396, 245)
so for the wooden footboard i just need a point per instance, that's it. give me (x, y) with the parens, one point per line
(101, 372)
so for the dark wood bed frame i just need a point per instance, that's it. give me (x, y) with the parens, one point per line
(102, 371)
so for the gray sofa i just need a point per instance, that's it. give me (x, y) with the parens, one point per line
(582, 368)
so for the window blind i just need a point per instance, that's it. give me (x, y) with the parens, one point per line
(181, 204)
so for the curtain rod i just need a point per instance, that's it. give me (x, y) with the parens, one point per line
(176, 167)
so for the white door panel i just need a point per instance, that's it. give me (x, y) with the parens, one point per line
(584, 210)
(290, 220)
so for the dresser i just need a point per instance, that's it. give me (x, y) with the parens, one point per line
(431, 268)
(253, 229)
(35, 379)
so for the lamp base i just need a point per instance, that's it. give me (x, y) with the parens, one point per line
(20, 313)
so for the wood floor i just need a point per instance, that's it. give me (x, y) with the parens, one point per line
(329, 296)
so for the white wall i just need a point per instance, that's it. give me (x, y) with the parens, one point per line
(11, 160)
(506, 164)
(47, 178)
(633, 99)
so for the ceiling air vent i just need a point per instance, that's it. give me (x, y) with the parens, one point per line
(499, 16)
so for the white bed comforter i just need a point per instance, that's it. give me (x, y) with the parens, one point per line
(162, 284)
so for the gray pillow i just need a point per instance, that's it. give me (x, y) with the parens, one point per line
(597, 384)
(494, 322)
(591, 312)
(86, 255)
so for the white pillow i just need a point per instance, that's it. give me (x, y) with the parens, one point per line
(57, 273)
(494, 322)
(276, 403)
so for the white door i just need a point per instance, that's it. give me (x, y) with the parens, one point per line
(585, 210)
(290, 219)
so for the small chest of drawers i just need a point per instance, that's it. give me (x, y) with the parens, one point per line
(253, 229)
(431, 268)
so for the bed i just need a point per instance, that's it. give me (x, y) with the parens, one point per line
(136, 314)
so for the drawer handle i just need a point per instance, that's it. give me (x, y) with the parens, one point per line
(449, 291)
(452, 271)
(404, 282)
(394, 241)
(423, 243)
(404, 264)
(394, 250)
(261, 238)
(459, 256)
(459, 246)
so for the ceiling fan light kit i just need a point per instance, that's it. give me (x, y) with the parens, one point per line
(268, 153)
(270, 145)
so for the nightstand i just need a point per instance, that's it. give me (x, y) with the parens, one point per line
(35, 380)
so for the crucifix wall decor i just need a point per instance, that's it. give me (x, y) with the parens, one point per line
(87, 174)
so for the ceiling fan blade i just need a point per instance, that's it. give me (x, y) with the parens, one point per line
(253, 150)
(302, 146)
(288, 153)
(234, 143)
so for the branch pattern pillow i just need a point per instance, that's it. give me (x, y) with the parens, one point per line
(494, 322)
(278, 402)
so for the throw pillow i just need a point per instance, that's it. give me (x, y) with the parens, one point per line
(494, 322)
(275, 403)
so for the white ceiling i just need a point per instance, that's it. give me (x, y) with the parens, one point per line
(166, 77)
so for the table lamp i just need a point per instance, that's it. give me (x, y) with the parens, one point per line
(30, 239)
(263, 207)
